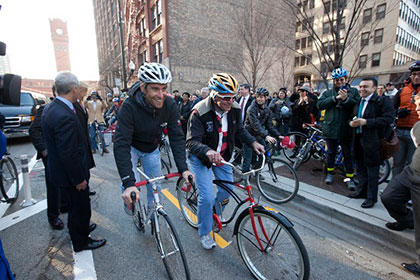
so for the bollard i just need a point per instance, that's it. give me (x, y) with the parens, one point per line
(28, 201)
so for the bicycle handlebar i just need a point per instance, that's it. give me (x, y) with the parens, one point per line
(164, 177)
(252, 171)
(313, 127)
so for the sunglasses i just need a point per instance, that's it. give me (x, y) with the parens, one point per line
(226, 99)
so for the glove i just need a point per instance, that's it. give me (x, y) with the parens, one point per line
(403, 112)
(287, 142)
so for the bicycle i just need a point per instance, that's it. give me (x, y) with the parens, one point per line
(315, 146)
(166, 237)
(164, 147)
(267, 242)
(99, 138)
(9, 183)
(277, 191)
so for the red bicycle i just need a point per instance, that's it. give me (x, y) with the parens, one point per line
(267, 241)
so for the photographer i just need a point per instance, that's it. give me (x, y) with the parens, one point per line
(338, 104)
(96, 108)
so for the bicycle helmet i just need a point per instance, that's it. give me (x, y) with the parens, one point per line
(224, 84)
(262, 91)
(94, 93)
(154, 73)
(338, 73)
(415, 66)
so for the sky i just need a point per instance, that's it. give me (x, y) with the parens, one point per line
(24, 27)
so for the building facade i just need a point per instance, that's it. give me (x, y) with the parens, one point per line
(60, 41)
(385, 40)
(191, 37)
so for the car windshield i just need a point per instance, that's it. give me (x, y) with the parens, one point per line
(26, 99)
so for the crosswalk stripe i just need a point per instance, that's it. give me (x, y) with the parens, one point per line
(222, 243)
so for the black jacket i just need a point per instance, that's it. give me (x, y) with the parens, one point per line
(184, 110)
(379, 115)
(35, 133)
(81, 114)
(67, 158)
(141, 126)
(203, 127)
(259, 122)
(302, 114)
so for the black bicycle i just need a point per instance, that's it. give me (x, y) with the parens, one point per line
(9, 183)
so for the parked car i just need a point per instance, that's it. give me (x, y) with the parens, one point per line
(19, 118)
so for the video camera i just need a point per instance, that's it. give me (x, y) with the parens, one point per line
(9, 85)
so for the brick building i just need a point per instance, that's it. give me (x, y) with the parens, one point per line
(60, 40)
(191, 37)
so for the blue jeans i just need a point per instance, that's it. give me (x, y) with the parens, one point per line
(405, 151)
(92, 133)
(206, 199)
(152, 167)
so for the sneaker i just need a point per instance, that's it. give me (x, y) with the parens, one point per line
(223, 220)
(207, 242)
(329, 179)
(350, 185)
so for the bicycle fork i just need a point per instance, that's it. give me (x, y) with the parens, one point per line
(269, 242)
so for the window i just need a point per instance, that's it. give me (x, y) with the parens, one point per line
(302, 60)
(380, 11)
(309, 42)
(311, 4)
(334, 5)
(365, 39)
(379, 33)
(297, 44)
(327, 7)
(362, 61)
(142, 27)
(156, 15)
(298, 25)
(153, 19)
(303, 43)
(367, 15)
(376, 59)
(325, 28)
(158, 51)
(296, 61)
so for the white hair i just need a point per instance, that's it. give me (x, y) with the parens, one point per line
(64, 82)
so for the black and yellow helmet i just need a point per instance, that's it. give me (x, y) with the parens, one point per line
(224, 84)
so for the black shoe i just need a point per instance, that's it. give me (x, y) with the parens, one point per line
(92, 192)
(368, 203)
(357, 195)
(412, 267)
(92, 227)
(56, 223)
(91, 245)
(398, 226)
(64, 209)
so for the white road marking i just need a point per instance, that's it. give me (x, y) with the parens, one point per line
(31, 164)
(23, 214)
(84, 267)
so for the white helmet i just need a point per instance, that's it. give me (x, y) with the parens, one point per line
(154, 73)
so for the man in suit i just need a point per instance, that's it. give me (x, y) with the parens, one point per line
(55, 202)
(245, 100)
(82, 115)
(67, 159)
(96, 109)
(373, 117)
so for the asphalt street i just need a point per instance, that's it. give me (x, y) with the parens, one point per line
(35, 251)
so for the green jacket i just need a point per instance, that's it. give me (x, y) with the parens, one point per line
(336, 120)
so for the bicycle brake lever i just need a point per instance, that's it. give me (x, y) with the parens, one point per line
(133, 199)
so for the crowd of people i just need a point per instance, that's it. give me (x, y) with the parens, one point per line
(209, 124)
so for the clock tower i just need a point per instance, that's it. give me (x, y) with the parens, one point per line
(60, 40)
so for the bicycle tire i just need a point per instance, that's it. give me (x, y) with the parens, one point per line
(384, 171)
(303, 155)
(168, 153)
(299, 139)
(99, 143)
(165, 167)
(187, 201)
(139, 216)
(275, 189)
(9, 183)
(292, 258)
(170, 248)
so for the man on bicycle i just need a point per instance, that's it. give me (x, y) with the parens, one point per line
(212, 127)
(259, 123)
(141, 120)
(96, 108)
(338, 104)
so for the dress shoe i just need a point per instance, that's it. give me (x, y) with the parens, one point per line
(56, 223)
(92, 227)
(92, 192)
(368, 203)
(413, 268)
(357, 195)
(91, 245)
(398, 226)
(106, 151)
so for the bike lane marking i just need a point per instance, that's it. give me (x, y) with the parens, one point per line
(31, 164)
(22, 214)
(222, 243)
(84, 267)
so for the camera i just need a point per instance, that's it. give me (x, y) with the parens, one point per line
(9, 85)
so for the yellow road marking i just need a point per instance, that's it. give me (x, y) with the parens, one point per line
(219, 240)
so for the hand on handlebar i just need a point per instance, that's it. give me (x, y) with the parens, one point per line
(188, 176)
(127, 198)
(270, 139)
(214, 157)
(258, 148)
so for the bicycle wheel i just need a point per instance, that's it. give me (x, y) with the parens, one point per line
(9, 180)
(165, 167)
(187, 195)
(139, 216)
(384, 171)
(99, 143)
(303, 155)
(299, 139)
(282, 183)
(283, 255)
(170, 248)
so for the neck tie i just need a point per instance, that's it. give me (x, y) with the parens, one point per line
(359, 113)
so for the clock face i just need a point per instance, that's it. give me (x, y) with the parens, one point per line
(59, 31)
